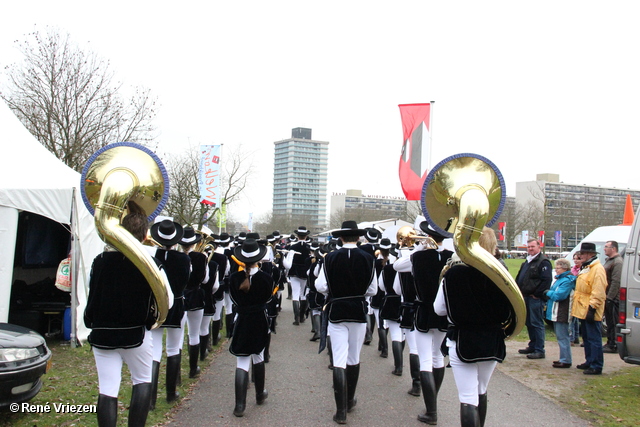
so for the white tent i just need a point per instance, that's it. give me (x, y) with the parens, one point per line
(32, 179)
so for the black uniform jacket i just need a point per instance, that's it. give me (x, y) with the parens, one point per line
(251, 327)
(426, 266)
(177, 265)
(194, 294)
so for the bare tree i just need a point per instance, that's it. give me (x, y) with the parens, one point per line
(68, 100)
(184, 201)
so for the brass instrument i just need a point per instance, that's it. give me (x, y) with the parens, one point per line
(114, 175)
(407, 236)
(461, 195)
(206, 243)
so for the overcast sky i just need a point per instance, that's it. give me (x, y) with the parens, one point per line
(536, 87)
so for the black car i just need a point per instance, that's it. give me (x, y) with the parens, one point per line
(24, 358)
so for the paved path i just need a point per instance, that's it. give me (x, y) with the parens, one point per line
(301, 394)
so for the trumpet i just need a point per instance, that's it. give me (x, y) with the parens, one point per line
(206, 244)
(407, 236)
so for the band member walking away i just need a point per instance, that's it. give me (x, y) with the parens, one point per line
(315, 299)
(477, 311)
(383, 259)
(119, 314)
(222, 242)
(250, 291)
(426, 263)
(194, 295)
(297, 261)
(209, 289)
(390, 311)
(177, 266)
(348, 277)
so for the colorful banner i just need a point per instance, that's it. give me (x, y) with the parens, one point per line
(558, 238)
(222, 217)
(502, 231)
(209, 175)
(541, 237)
(525, 237)
(414, 159)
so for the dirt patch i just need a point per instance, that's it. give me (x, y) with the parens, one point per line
(541, 376)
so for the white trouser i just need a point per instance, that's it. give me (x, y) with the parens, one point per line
(183, 324)
(228, 304)
(204, 325)
(376, 313)
(109, 365)
(472, 379)
(346, 342)
(218, 314)
(194, 319)
(411, 340)
(316, 312)
(173, 342)
(244, 362)
(395, 331)
(297, 285)
(429, 349)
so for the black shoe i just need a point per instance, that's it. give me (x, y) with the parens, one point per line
(527, 350)
(607, 349)
(535, 356)
(561, 365)
(592, 371)
(584, 365)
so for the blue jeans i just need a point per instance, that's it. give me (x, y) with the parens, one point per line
(535, 323)
(574, 329)
(562, 334)
(592, 336)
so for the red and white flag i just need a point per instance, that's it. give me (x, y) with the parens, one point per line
(502, 230)
(414, 159)
(541, 237)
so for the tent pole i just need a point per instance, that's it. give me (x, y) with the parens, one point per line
(74, 271)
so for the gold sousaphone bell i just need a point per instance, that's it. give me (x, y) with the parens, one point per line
(113, 176)
(461, 195)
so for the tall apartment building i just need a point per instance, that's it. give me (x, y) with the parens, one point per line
(300, 178)
(574, 209)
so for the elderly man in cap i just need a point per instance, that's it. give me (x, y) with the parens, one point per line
(588, 306)
(347, 278)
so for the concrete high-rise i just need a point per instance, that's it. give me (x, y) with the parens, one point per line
(300, 179)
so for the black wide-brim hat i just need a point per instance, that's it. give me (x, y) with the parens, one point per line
(349, 228)
(372, 235)
(250, 251)
(302, 231)
(385, 244)
(166, 232)
(588, 247)
(190, 237)
(426, 227)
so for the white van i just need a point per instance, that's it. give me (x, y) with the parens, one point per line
(628, 327)
(601, 235)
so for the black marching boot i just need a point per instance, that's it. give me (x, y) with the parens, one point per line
(340, 394)
(228, 321)
(315, 321)
(194, 352)
(396, 347)
(107, 411)
(469, 415)
(242, 383)
(482, 408)
(173, 371)
(204, 347)
(296, 312)
(414, 367)
(289, 292)
(303, 310)
(384, 344)
(267, 355)
(139, 406)
(371, 322)
(215, 333)
(438, 376)
(353, 372)
(430, 397)
(259, 376)
(155, 372)
(330, 353)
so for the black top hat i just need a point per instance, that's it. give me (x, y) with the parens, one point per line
(588, 247)
(166, 232)
(372, 235)
(426, 227)
(349, 228)
(385, 244)
(250, 251)
(302, 231)
(190, 237)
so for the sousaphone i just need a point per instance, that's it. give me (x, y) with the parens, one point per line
(461, 195)
(113, 176)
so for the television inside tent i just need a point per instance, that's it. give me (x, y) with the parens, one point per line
(42, 221)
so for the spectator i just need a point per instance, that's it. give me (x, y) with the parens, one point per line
(613, 268)
(574, 328)
(533, 279)
(559, 310)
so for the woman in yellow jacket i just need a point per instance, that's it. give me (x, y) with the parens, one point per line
(588, 306)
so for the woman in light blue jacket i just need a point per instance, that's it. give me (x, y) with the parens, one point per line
(559, 309)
